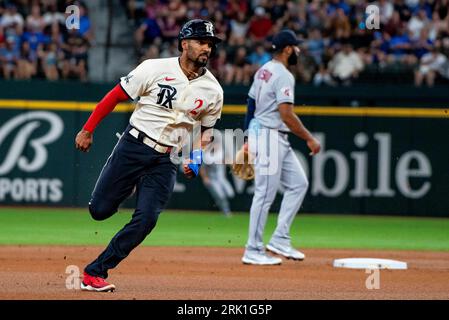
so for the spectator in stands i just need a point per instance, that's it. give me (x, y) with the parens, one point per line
(258, 58)
(49, 56)
(334, 5)
(75, 56)
(413, 5)
(152, 7)
(315, 45)
(233, 7)
(169, 49)
(27, 62)
(442, 10)
(445, 46)
(239, 72)
(394, 24)
(12, 19)
(386, 10)
(238, 30)
(219, 5)
(295, 20)
(219, 65)
(221, 25)
(400, 48)
(85, 29)
(422, 45)
(323, 77)
(417, 23)
(260, 25)
(193, 9)
(35, 38)
(2, 35)
(35, 22)
(346, 65)
(278, 10)
(316, 14)
(431, 64)
(176, 9)
(440, 25)
(169, 28)
(305, 68)
(9, 57)
(147, 33)
(378, 50)
(135, 9)
(53, 16)
(151, 53)
(339, 25)
(55, 34)
(403, 9)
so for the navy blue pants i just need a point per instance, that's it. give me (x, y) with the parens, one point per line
(131, 164)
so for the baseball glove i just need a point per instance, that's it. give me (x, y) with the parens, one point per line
(243, 166)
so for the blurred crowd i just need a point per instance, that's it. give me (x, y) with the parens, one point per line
(413, 37)
(35, 42)
(338, 49)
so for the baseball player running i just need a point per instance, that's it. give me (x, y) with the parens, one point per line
(213, 174)
(172, 95)
(270, 107)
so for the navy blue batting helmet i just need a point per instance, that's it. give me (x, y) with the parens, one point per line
(197, 29)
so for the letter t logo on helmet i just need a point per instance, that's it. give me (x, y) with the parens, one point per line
(209, 28)
(197, 29)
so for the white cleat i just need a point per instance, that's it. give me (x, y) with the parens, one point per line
(260, 259)
(287, 252)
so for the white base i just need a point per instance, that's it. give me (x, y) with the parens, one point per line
(369, 263)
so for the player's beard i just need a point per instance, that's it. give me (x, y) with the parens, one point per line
(293, 59)
(201, 62)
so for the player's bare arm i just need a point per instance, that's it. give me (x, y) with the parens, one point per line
(296, 126)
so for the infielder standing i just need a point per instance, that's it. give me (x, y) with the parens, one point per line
(270, 107)
(173, 94)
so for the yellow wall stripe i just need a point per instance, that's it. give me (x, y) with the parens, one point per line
(357, 111)
(241, 109)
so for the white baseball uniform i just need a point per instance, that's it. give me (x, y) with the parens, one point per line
(170, 103)
(273, 84)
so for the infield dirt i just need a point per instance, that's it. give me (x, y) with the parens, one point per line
(182, 273)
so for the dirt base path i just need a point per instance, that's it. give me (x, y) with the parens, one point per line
(39, 272)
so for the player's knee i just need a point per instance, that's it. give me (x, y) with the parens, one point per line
(300, 187)
(100, 211)
(148, 223)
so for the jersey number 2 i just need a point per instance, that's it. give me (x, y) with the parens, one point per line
(198, 104)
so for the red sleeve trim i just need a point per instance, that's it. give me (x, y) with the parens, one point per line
(105, 106)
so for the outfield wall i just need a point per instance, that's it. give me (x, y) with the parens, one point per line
(375, 160)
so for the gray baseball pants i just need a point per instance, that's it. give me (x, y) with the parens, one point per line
(282, 168)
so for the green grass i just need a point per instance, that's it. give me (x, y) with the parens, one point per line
(75, 227)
